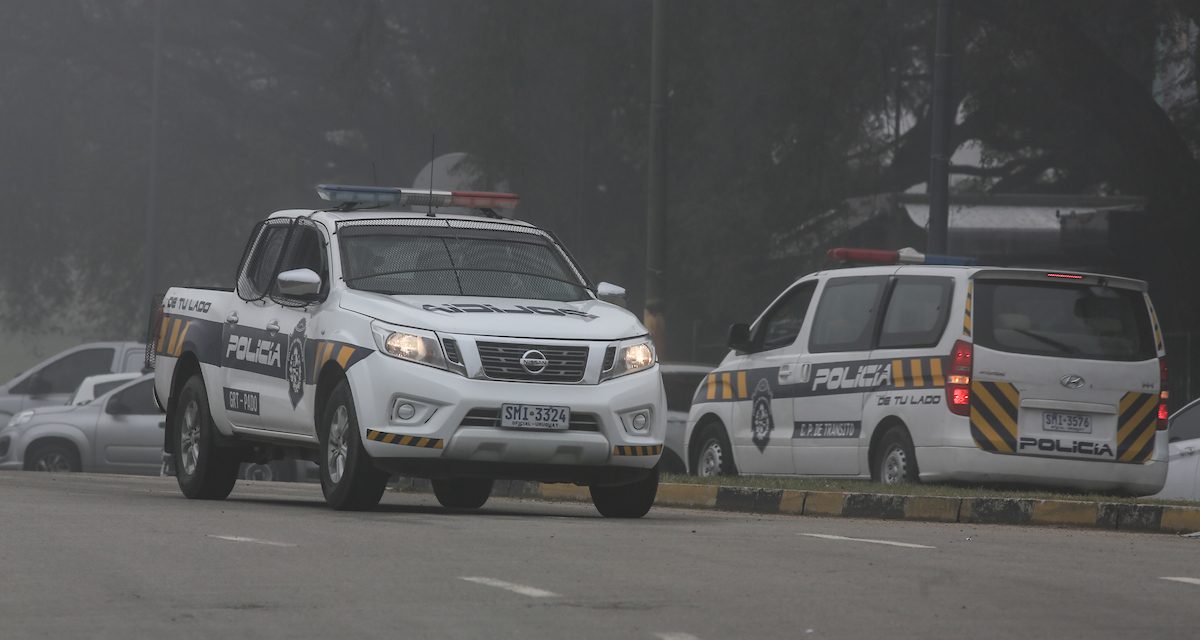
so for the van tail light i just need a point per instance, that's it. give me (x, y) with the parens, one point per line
(958, 378)
(1163, 395)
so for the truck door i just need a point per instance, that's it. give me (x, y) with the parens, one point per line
(762, 415)
(827, 429)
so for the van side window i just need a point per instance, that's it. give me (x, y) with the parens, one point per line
(917, 312)
(1186, 424)
(846, 314)
(781, 324)
(65, 374)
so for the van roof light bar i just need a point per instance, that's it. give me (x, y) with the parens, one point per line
(348, 197)
(907, 255)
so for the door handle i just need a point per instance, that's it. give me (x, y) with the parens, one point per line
(162, 424)
(785, 372)
(273, 326)
(232, 318)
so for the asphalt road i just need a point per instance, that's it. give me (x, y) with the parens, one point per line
(120, 557)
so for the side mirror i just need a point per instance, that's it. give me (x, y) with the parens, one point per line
(611, 293)
(116, 408)
(739, 337)
(38, 386)
(299, 283)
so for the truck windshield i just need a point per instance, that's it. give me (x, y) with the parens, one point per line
(1072, 321)
(399, 260)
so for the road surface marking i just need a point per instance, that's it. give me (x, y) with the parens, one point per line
(532, 592)
(675, 635)
(269, 543)
(906, 545)
(1195, 581)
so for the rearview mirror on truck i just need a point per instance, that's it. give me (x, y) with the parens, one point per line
(299, 282)
(611, 293)
(739, 337)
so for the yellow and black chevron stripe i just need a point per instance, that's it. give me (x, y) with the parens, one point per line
(1137, 421)
(917, 373)
(407, 441)
(171, 336)
(650, 450)
(994, 416)
(726, 385)
(328, 350)
(967, 312)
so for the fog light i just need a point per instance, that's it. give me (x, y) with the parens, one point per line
(405, 411)
(639, 422)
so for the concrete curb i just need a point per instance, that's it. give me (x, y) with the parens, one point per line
(1024, 511)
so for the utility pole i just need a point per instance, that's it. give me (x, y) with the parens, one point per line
(656, 212)
(942, 120)
(150, 242)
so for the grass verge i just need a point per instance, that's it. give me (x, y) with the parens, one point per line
(915, 489)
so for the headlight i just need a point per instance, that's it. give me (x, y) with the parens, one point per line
(409, 344)
(633, 355)
(19, 419)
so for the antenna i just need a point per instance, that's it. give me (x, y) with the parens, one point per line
(374, 174)
(432, 157)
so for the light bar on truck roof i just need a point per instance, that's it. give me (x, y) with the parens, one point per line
(907, 255)
(351, 196)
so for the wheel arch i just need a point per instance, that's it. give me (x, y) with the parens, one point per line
(327, 380)
(187, 366)
(45, 439)
(693, 443)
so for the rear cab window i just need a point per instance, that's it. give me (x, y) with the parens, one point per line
(1063, 319)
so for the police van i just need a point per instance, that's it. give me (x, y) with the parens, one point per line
(908, 367)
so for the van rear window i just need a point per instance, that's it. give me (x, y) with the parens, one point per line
(1063, 320)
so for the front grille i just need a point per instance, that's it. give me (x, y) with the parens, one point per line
(502, 361)
(452, 353)
(491, 418)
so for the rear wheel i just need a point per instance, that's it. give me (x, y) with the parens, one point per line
(462, 493)
(714, 456)
(628, 500)
(55, 457)
(349, 479)
(896, 462)
(203, 470)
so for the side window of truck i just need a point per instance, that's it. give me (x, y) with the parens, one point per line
(305, 251)
(846, 314)
(255, 277)
(917, 311)
(781, 324)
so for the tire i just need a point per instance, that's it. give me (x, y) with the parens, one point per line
(714, 455)
(896, 462)
(204, 470)
(349, 479)
(462, 493)
(54, 457)
(628, 500)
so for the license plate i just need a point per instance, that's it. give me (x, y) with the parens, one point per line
(534, 416)
(1066, 422)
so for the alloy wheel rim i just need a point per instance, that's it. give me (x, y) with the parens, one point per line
(53, 462)
(189, 438)
(338, 448)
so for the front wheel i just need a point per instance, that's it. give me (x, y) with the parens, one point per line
(203, 470)
(54, 457)
(628, 500)
(349, 479)
(462, 493)
(714, 456)
(897, 460)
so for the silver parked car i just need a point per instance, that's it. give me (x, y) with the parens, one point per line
(1183, 470)
(53, 380)
(119, 432)
(680, 382)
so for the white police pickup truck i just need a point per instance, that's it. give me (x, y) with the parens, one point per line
(461, 347)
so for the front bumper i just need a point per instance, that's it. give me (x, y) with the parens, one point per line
(970, 464)
(447, 427)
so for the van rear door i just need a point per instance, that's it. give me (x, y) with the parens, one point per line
(1065, 365)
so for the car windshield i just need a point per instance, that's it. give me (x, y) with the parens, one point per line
(1074, 321)
(398, 260)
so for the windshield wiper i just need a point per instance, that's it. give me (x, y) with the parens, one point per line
(1061, 346)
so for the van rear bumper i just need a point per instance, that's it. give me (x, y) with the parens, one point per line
(968, 464)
